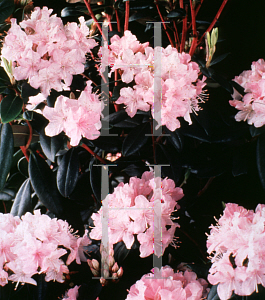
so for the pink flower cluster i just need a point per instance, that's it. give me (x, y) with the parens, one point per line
(47, 52)
(169, 286)
(77, 118)
(34, 244)
(175, 72)
(141, 207)
(252, 105)
(237, 245)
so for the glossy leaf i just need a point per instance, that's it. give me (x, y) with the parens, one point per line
(7, 194)
(213, 293)
(50, 145)
(22, 202)
(6, 152)
(10, 108)
(3, 76)
(136, 139)
(6, 9)
(218, 59)
(44, 184)
(175, 139)
(177, 13)
(95, 181)
(108, 143)
(67, 174)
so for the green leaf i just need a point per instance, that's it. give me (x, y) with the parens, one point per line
(6, 9)
(6, 152)
(10, 108)
(43, 182)
(22, 202)
(3, 76)
(50, 145)
(7, 194)
(67, 174)
(136, 139)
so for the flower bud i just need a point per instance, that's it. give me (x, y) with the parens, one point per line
(115, 268)
(106, 273)
(111, 261)
(95, 264)
(103, 281)
(120, 272)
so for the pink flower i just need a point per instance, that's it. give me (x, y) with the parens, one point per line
(72, 294)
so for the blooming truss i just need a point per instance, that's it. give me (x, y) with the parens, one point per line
(35, 244)
(181, 88)
(165, 284)
(133, 209)
(251, 106)
(237, 252)
(46, 52)
(77, 118)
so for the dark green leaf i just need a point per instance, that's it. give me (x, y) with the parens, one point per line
(50, 145)
(22, 202)
(116, 117)
(7, 194)
(226, 84)
(73, 12)
(10, 108)
(136, 139)
(28, 115)
(254, 131)
(22, 166)
(218, 59)
(108, 143)
(6, 152)
(213, 293)
(6, 9)
(67, 174)
(175, 138)
(95, 181)
(261, 158)
(238, 87)
(44, 184)
(3, 76)
(177, 13)
(28, 91)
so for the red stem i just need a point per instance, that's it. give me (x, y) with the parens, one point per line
(127, 14)
(4, 206)
(109, 20)
(153, 142)
(198, 8)
(184, 32)
(94, 154)
(164, 25)
(194, 31)
(87, 3)
(118, 21)
(214, 20)
(25, 152)
(176, 34)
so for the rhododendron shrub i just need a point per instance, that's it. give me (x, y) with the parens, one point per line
(133, 210)
(169, 285)
(237, 252)
(84, 87)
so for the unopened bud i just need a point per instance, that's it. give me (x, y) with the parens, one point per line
(103, 281)
(115, 268)
(111, 261)
(120, 272)
(106, 273)
(95, 264)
